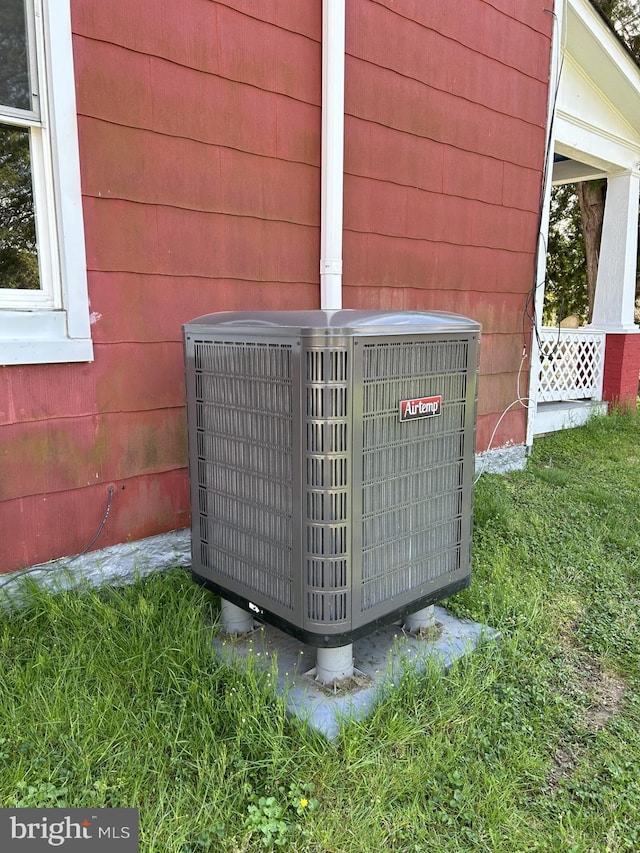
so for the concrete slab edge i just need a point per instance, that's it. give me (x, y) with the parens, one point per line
(502, 460)
(116, 564)
(381, 660)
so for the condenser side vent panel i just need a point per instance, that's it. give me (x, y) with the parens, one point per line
(412, 472)
(244, 429)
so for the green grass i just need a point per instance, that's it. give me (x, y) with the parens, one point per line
(115, 697)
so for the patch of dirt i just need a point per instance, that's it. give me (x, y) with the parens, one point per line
(565, 761)
(342, 686)
(607, 696)
(430, 634)
(604, 691)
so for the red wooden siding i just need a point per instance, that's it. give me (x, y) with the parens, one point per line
(123, 306)
(445, 135)
(199, 127)
(199, 131)
(622, 366)
(46, 525)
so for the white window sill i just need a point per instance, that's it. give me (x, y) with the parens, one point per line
(40, 337)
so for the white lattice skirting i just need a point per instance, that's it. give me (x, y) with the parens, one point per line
(571, 364)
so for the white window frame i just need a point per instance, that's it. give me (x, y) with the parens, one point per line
(53, 324)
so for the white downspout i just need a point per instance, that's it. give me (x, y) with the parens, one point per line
(332, 163)
(332, 664)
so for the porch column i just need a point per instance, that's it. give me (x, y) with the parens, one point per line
(613, 310)
(616, 284)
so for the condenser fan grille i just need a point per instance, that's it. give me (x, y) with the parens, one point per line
(327, 485)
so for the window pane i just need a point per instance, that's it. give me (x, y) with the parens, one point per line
(18, 252)
(15, 90)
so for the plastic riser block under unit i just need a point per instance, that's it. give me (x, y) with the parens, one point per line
(331, 461)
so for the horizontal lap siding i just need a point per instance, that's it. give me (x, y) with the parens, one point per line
(224, 39)
(49, 525)
(199, 127)
(108, 385)
(199, 132)
(127, 88)
(89, 450)
(191, 175)
(500, 432)
(173, 241)
(121, 302)
(445, 135)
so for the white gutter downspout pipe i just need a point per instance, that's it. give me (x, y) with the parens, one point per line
(332, 664)
(332, 163)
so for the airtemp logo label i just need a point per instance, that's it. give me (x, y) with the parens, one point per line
(27, 830)
(420, 407)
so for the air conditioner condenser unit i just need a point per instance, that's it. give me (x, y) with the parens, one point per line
(331, 462)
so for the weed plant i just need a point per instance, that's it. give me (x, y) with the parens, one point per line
(532, 743)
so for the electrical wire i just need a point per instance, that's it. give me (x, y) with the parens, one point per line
(57, 567)
(529, 311)
(520, 400)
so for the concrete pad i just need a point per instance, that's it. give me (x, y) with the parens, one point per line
(380, 660)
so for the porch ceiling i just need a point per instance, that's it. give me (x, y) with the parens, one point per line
(568, 171)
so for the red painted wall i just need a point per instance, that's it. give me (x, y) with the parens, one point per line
(445, 134)
(199, 131)
(199, 128)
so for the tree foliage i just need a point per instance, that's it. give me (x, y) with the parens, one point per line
(18, 251)
(566, 285)
(14, 62)
(624, 15)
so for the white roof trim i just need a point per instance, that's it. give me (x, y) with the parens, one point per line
(598, 107)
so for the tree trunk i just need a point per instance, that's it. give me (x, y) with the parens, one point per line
(591, 197)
